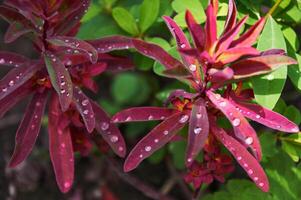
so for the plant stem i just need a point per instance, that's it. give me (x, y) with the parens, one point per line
(271, 11)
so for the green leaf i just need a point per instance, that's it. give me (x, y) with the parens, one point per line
(125, 20)
(148, 14)
(291, 36)
(294, 72)
(177, 150)
(93, 11)
(290, 150)
(293, 114)
(268, 88)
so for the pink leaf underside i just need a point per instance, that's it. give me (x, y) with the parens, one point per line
(265, 116)
(14, 31)
(109, 131)
(13, 98)
(16, 77)
(225, 41)
(249, 37)
(198, 130)
(29, 129)
(196, 31)
(234, 54)
(273, 52)
(242, 129)
(84, 107)
(260, 65)
(181, 40)
(220, 76)
(111, 43)
(231, 16)
(12, 59)
(60, 79)
(60, 148)
(210, 27)
(73, 44)
(243, 157)
(157, 53)
(179, 94)
(116, 63)
(155, 139)
(142, 114)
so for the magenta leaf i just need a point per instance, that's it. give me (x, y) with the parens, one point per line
(60, 147)
(111, 43)
(260, 65)
(265, 116)
(17, 77)
(242, 129)
(155, 139)
(109, 131)
(196, 31)
(12, 59)
(60, 79)
(85, 109)
(75, 44)
(231, 17)
(249, 38)
(210, 27)
(243, 157)
(198, 130)
(142, 114)
(157, 53)
(12, 16)
(234, 54)
(115, 63)
(29, 128)
(15, 31)
(179, 94)
(219, 77)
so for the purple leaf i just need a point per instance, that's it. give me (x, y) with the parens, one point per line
(142, 114)
(155, 139)
(231, 17)
(60, 79)
(249, 37)
(17, 77)
(243, 157)
(14, 31)
(116, 64)
(242, 129)
(12, 16)
(219, 77)
(109, 131)
(85, 109)
(73, 43)
(111, 43)
(260, 65)
(60, 147)
(12, 59)
(196, 31)
(265, 116)
(157, 53)
(198, 130)
(29, 129)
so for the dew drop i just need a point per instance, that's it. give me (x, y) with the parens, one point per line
(36, 116)
(257, 116)
(165, 132)
(250, 171)
(246, 165)
(67, 184)
(217, 96)
(249, 140)
(63, 83)
(184, 119)
(114, 138)
(192, 68)
(54, 59)
(197, 130)
(63, 91)
(85, 102)
(156, 140)
(86, 112)
(148, 148)
(199, 115)
(239, 158)
(63, 145)
(104, 126)
(189, 160)
(128, 118)
(236, 122)
(223, 104)
(295, 129)
(11, 83)
(115, 120)
(2, 61)
(261, 184)
(140, 156)
(162, 117)
(120, 149)
(255, 178)
(4, 89)
(183, 46)
(150, 117)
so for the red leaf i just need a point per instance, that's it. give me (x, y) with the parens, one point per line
(231, 17)
(14, 31)
(12, 59)
(111, 43)
(109, 131)
(157, 53)
(60, 147)
(243, 157)
(85, 109)
(260, 65)
(249, 37)
(265, 116)
(115, 63)
(142, 114)
(60, 79)
(29, 129)
(242, 129)
(155, 139)
(196, 31)
(234, 54)
(179, 94)
(210, 28)
(198, 130)
(73, 43)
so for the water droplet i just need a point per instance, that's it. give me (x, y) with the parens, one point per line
(54, 59)
(183, 46)
(156, 140)
(165, 132)
(255, 178)
(128, 118)
(67, 184)
(36, 116)
(199, 115)
(217, 96)
(162, 117)
(250, 171)
(104, 126)
(63, 145)
(148, 148)
(11, 83)
(184, 119)
(85, 102)
(239, 158)
(114, 138)
(278, 126)
(236, 122)
(115, 120)
(63, 91)
(32, 126)
(67, 41)
(261, 184)
(2, 61)
(246, 165)
(189, 160)
(120, 148)
(192, 68)
(197, 130)
(257, 116)
(140, 156)
(86, 112)
(150, 117)
(38, 104)
(4, 89)
(296, 129)
(223, 104)
(249, 140)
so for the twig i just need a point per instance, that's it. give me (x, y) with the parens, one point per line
(147, 190)
(272, 10)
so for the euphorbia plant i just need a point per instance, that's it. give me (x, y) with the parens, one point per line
(65, 66)
(208, 67)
